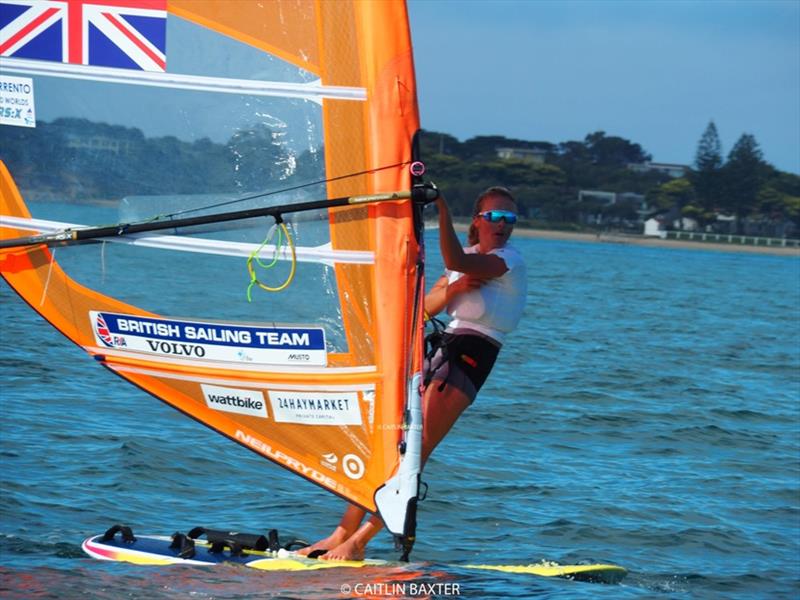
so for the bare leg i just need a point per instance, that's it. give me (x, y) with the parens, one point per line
(440, 411)
(347, 527)
(352, 548)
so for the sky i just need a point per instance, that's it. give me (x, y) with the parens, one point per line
(651, 71)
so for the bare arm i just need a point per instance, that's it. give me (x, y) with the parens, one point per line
(443, 293)
(484, 266)
(436, 299)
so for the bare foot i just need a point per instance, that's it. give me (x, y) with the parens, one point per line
(347, 550)
(332, 541)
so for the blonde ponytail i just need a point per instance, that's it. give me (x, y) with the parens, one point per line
(472, 234)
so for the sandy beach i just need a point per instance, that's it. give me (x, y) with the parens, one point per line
(640, 240)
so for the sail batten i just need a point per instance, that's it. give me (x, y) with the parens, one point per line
(312, 90)
(266, 373)
(322, 253)
(260, 383)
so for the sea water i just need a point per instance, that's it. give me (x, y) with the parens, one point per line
(646, 413)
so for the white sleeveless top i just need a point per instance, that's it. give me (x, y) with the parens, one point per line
(495, 308)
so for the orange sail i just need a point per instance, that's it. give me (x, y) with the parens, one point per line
(258, 104)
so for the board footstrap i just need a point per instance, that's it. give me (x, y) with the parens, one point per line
(127, 533)
(183, 544)
(217, 541)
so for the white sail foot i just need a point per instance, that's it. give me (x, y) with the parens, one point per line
(396, 499)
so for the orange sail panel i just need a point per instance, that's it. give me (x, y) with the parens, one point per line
(260, 104)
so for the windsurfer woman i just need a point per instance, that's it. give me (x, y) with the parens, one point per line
(484, 290)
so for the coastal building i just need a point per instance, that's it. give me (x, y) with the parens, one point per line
(671, 169)
(685, 224)
(534, 155)
(655, 227)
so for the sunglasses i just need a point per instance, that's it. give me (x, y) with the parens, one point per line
(495, 216)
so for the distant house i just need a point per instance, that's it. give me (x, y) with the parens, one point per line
(534, 155)
(670, 169)
(724, 224)
(655, 227)
(686, 224)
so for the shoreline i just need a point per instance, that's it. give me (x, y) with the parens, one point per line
(640, 240)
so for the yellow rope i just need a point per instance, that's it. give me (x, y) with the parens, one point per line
(254, 257)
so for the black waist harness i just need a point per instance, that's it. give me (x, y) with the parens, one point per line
(473, 354)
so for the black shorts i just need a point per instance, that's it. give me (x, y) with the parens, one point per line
(465, 361)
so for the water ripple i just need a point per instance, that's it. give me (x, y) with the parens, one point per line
(646, 413)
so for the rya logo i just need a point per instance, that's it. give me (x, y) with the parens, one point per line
(329, 460)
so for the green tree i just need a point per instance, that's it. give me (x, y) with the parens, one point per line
(621, 210)
(744, 173)
(445, 167)
(484, 147)
(612, 150)
(709, 150)
(778, 206)
(553, 203)
(436, 142)
(677, 193)
(788, 183)
(512, 173)
(707, 177)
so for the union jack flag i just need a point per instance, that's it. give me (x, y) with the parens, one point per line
(128, 34)
(102, 331)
